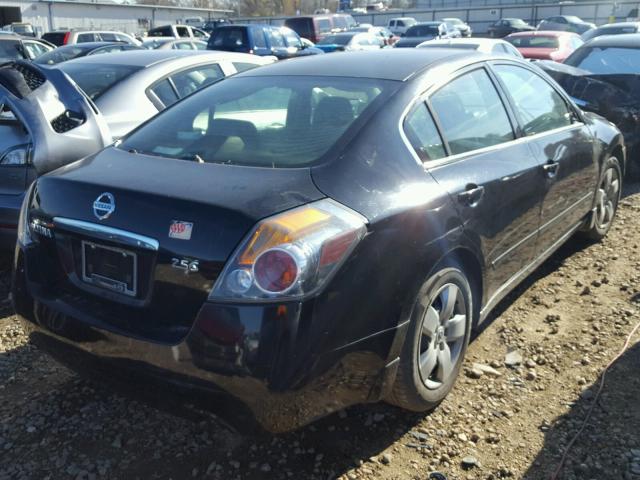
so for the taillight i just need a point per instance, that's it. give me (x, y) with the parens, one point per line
(66, 38)
(291, 254)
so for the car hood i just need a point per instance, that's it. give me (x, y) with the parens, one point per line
(613, 96)
(62, 124)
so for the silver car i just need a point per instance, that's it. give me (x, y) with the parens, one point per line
(47, 122)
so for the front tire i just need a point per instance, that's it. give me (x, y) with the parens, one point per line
(436, 342)
(607, 198)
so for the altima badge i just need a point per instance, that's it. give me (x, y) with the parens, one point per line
(104, 206)
(180, 230)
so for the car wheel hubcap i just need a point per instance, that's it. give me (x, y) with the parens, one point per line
(607, 198)
(443, 332)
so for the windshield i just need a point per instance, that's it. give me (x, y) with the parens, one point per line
(612, 60)
(61, 54)
(533, 42)
(572, 19)
(423, 31)
(335, 40)
(276, 122)
(155, 43)
(516, 21)
(453, 21)
(96, 79)
(10, 50)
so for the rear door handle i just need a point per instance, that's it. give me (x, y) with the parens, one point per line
(472, 195)
(551, 168)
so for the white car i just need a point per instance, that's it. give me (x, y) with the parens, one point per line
(399, 25)
(483, 45)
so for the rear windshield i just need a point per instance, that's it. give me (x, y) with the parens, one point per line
(336, 40)
(22, 28)
(423, 31)
(10, 50)
(304, 26)
(533, 42)
(613, 60)
(57, 38)
(60, 55)
(231, 37)
(96, 79)
(276, 122)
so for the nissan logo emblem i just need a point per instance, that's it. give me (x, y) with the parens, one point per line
(104, 206)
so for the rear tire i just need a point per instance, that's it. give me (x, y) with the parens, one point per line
(436, 342)
(607, 198)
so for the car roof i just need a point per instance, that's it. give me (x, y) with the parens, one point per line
(467, 41)
(384, 64)
(90, 45)
(628, 40)
(435, 22)
(618, 25)
(147, 58)
(543, 33)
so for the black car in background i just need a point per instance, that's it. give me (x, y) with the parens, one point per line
(263, 40)
(507, 26)
(422, 32)
(603, 76)
(315, 233)
(69, 52)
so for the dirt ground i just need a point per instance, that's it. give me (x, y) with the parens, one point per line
(566, 322)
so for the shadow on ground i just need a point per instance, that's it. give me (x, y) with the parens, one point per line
(613, 427)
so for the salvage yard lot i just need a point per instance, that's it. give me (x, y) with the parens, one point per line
(567, 321)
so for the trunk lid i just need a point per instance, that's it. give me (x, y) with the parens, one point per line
(219, 203)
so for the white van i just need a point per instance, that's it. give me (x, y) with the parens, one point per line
(398, 26)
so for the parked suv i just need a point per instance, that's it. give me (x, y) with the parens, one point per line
(178, 31)
(258, 39)
(70, 37)
(316, 27)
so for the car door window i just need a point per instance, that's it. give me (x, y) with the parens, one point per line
(471, 113)
(258, 38)
(400, 23)
(324, 25)
(189, 81)
(108, 37)
(276, 38)
(538, 106)
(183, 32)
(184, 46)
(165, 92)
(423, 135)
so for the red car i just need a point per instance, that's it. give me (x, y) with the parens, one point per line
(545, 45)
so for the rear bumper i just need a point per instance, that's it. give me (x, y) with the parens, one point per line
(265, 356)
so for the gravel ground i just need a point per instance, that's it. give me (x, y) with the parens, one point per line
(529, 379)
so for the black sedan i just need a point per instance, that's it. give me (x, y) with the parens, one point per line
(507, 26)
(69, 52)
(316, 233)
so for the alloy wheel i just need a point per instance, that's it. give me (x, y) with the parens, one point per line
(607, 198)
(443, 332)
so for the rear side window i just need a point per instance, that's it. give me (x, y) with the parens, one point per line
(340, 22)
(87, 37)
(108, 37)
(303, 26)
(539, 107)
(57, 38)
(165, 92)
(229, 38)
(243, 67)
(192, 80)
(471, 113)
(161, 32)
(423, 134)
